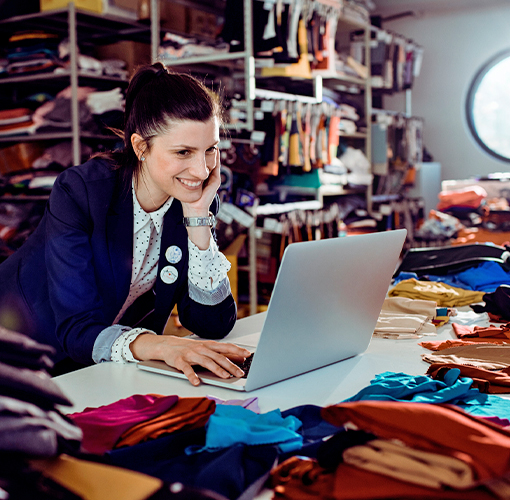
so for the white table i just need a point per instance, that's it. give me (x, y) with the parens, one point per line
(108, 382)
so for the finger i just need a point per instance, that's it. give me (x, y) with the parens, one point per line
(217, 363)
(228, 349)
(190, 374)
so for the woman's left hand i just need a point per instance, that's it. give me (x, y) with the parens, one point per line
(200, 208)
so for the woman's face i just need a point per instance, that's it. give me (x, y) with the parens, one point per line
(180, 160)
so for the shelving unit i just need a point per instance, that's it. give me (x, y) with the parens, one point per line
(79, 27)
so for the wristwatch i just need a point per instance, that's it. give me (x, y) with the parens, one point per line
(200, 221)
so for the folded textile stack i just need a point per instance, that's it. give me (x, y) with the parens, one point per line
(32, 52)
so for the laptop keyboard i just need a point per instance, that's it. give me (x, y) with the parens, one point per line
(245, 365)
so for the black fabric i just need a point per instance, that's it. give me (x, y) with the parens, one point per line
(497, 302)
(329, 454)
(441, 260)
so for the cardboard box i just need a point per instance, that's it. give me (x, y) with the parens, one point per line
(134, 53)
(120, 8)
(173, 17)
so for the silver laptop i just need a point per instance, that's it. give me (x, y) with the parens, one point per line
(323, 309)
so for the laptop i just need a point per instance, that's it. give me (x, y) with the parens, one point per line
(323, 309)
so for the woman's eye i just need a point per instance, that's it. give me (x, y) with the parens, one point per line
(183, 152)
(213, 149)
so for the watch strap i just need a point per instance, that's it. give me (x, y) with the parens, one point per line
(210, 221)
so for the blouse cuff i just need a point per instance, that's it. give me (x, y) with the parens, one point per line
(102, 350)
(207, 268)
(210, 298)
(121, 353)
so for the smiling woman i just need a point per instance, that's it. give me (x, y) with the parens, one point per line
(128, 235)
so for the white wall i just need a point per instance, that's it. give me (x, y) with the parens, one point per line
(456, 45)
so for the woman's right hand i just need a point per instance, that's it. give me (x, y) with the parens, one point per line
(182, 354)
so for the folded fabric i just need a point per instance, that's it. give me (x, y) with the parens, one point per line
(238, 471)
(33, 386)
(469, 196)
(444, 295)
(298, 478)
(441, 345)
(230, 425)
(486, 381)
(103, 426)
(186, 414)
(443, 429)
(485, 356)
(391, 324)
(394, 459)
(96, 481)
(20, 350)
(389, 386)
(483, 332)
(28, 429)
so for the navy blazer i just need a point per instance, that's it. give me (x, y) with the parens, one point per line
(70, 279)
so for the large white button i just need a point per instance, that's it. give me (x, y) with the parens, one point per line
(173, 254)
(169, 275)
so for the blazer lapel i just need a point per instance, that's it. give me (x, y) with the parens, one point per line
(174, 233)
(119, 231)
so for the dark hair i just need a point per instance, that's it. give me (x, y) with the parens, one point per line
(155, 97)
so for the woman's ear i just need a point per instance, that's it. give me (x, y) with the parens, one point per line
(139, 145)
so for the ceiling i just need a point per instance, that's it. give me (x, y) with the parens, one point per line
(386, 8)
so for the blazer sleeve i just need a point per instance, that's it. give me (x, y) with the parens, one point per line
(208, 321)
(74, 296)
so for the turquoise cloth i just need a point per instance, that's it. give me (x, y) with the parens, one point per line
(230, 425)
(390, 386)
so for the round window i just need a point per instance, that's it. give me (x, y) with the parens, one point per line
(488, 107)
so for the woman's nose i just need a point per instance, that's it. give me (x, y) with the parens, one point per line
(201, 168)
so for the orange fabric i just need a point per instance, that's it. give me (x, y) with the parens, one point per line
(471, 196)
(186, 414)
(440, 345)
(445, 429)
(487, 381)
(482, 332)
(303, 479)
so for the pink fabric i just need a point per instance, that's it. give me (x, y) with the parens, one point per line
(103, 426)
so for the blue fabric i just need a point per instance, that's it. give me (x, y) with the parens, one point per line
(231, 425)
(102, 350)
(313, 429)
(229, 472)
(390, 386)
(485, 277)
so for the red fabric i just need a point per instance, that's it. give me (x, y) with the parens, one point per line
(487, 381)
(187, 414)
(439, 345)
(441, 429)
(103, 426)
(482, 332)
(303, 479)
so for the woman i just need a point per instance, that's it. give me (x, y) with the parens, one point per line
(126, 236)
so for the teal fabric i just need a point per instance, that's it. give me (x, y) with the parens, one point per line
(230, 425)
(390, 386)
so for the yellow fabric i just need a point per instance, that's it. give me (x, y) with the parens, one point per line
(444, 295)
(94, 481)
